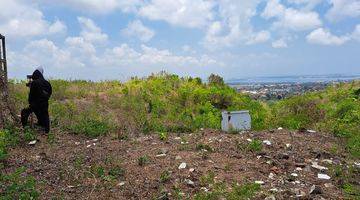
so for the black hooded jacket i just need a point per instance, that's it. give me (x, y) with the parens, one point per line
(40, 91)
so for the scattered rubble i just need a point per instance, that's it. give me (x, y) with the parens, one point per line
(32, 142)
(324, 176)
(182, 166)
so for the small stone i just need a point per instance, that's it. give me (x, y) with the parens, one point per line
(94, 144)
(294, 174)
(319, 167)
(32, 142)
(258, 157)
(271, 176)
(77, 143)
(328, 161)
(177, 138)
(311, 131)
(328, 185)
(178, 158)
(280, 128)
(95, 140)
(182, 166)
(189, 182)
(121, 183)
(267, 142)
(288, 145)
(271, 197)
(274, 190)
(205, 189)
(191, 170)
(164, 150)
(298, 169)
(201, 129)
(315, 190)
(88, 146)
(249, 140)
(160, 155)
(268, 162)
(260, 182)
(324, 176)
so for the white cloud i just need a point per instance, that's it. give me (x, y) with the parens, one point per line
(137, 29)
(57, 27)
(356, 34)
(290, 18)
(101, 6)
(324, 37)
(343, 8)
(280, 43)
(91, 32)
(186, 13)
(23, 19)
(234, 25)
(306, 4)
(259, 37)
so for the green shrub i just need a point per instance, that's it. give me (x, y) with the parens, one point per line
(143, 160)
(17, 186)
(165, 176)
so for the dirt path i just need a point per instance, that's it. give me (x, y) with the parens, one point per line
(75, 167)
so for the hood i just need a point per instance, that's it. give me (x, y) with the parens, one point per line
(37, 75)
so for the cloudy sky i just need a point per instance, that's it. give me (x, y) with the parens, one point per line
(117, 39)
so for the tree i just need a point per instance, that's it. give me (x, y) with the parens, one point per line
(216, 80)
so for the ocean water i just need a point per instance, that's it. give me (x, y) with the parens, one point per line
(294, 79)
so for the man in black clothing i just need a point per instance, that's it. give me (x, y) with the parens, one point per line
(40, 92)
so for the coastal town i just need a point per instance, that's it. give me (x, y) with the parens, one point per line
(281, 90)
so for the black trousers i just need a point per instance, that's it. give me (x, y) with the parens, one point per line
(42, 115)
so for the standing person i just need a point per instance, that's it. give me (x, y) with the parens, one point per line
(39, 95)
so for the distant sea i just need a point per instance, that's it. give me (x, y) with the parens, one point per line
(293, 79)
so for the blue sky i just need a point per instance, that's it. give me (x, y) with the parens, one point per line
(118, 39)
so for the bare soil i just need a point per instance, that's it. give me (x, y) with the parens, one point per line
(68, 167)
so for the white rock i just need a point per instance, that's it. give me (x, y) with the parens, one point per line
(95, 140)
(178, 158)
(328, 161)
(274, 190)
(260, 182)
(298, 169)
(258, 157)
(294, 174)
(324, 176)
(201, 129)
(177, 138)
(191, 170)
(189, 182)
(280, 128)
(88, 146)
(267, 142)
(77, 143)
(297, 182)
(205, 189)
(121, 183)
(160, 155)
(271, 176)
(32, 142)
(94, 144)
(311, 131)
(288, 145)
(317, 166)
(249, 140)
(182, 166)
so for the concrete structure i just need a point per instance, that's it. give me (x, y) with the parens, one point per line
(235, 121)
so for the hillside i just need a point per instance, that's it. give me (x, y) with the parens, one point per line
(113, 140)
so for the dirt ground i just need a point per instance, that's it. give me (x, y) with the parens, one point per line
(75, 167)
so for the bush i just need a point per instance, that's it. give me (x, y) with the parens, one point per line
(17, 186)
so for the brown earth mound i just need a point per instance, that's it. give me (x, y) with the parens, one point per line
(287, 165)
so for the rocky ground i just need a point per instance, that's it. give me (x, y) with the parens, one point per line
(287, 165)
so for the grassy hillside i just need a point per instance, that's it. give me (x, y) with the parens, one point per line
(168, 103)
(163, 104)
